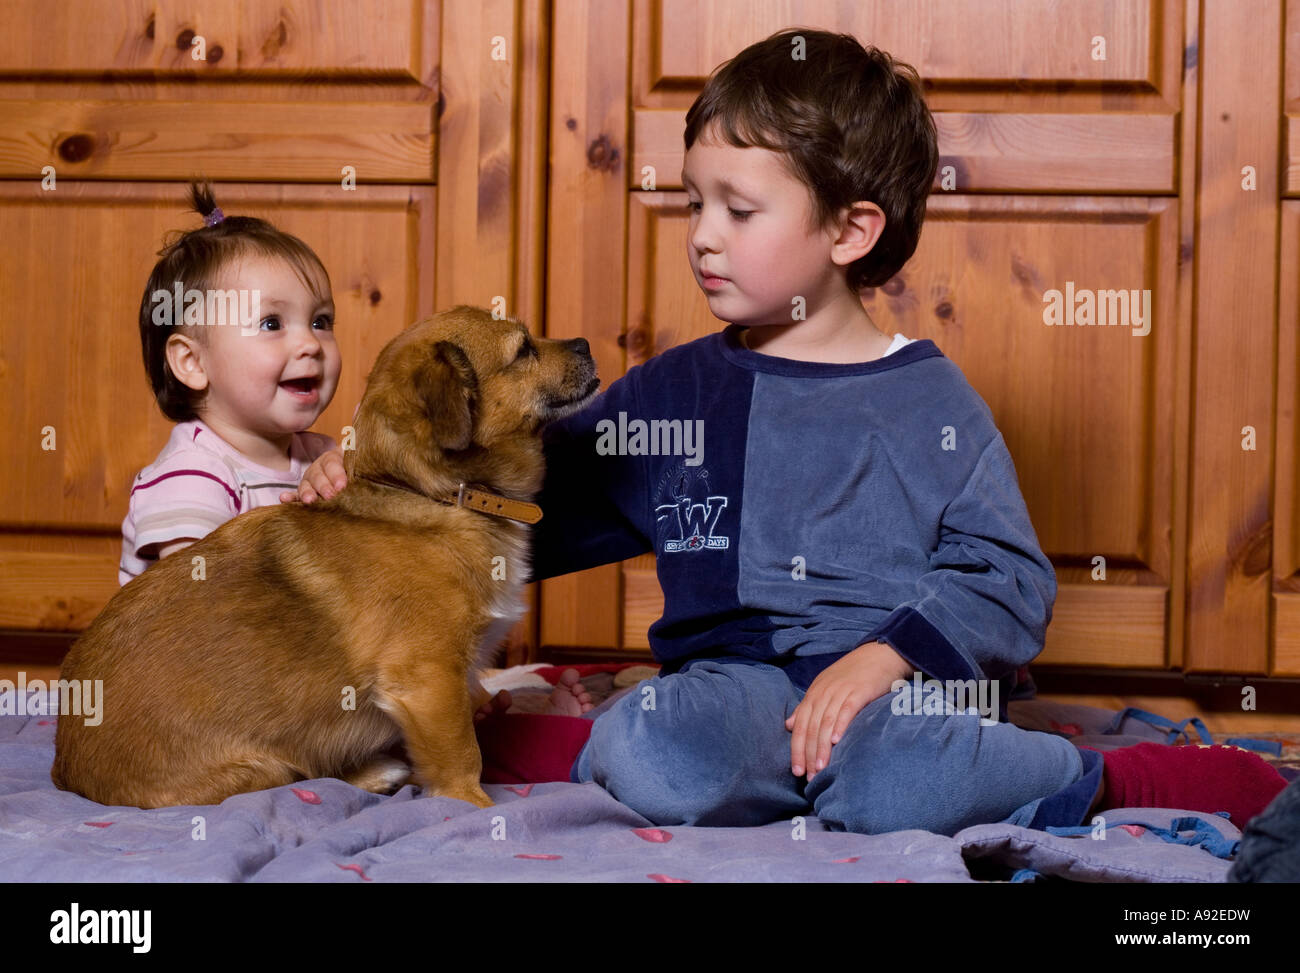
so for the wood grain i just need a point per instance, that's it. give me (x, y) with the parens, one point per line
(1230, 537)
(586, 241)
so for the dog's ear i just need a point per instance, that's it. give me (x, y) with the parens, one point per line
(447, 383)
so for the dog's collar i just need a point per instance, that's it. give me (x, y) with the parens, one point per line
(481, 500)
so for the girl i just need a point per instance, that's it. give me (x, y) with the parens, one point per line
(241, 392)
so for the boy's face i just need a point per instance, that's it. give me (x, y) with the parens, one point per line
(750, 244)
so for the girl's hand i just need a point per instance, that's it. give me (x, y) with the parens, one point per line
(324, 478)
(838, 694)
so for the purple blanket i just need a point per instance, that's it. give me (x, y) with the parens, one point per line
(329, 831)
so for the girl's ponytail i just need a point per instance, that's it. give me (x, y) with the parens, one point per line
(205, 204)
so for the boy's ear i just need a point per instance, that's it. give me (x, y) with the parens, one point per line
(861, 225)
(449, 387)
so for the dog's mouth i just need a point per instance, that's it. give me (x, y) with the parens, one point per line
(561, 407)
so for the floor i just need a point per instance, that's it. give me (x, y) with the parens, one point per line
(1174, 707)
(1178, 709)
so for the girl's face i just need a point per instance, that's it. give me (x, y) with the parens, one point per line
(278, 379)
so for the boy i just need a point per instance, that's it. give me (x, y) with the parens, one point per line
(831, 510)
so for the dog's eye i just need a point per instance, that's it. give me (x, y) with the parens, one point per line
(525, 350)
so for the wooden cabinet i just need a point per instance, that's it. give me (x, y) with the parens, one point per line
(528, 154)
(73, 378)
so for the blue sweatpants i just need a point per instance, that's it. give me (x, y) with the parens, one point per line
(708, 746)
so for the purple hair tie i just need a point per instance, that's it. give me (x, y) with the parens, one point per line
(215, 217)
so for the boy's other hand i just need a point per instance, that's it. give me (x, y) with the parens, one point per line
(324, 478)
(835, 697)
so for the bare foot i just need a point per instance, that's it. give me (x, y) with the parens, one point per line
(569, 697)
(497, 704)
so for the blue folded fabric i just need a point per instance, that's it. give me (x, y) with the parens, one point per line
(1250, 743)
(1190, 830)
(1155, 719)
(1270, 845)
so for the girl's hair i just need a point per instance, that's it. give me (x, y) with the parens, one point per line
(851, 122)
(196, 259)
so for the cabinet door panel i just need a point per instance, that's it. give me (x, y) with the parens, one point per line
(70, 357)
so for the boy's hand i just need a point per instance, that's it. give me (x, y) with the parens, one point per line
(838, 694)
(324, 478)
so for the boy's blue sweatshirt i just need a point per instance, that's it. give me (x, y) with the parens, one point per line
(830, 506)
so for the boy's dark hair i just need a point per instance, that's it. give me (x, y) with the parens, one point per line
(851, 121)
(196, 258)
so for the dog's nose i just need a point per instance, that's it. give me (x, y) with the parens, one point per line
(580, 346)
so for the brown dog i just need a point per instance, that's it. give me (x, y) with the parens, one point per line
(309, 639)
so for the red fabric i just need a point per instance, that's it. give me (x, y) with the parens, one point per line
(526, 748)
(535, 748)
(1206, 779)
